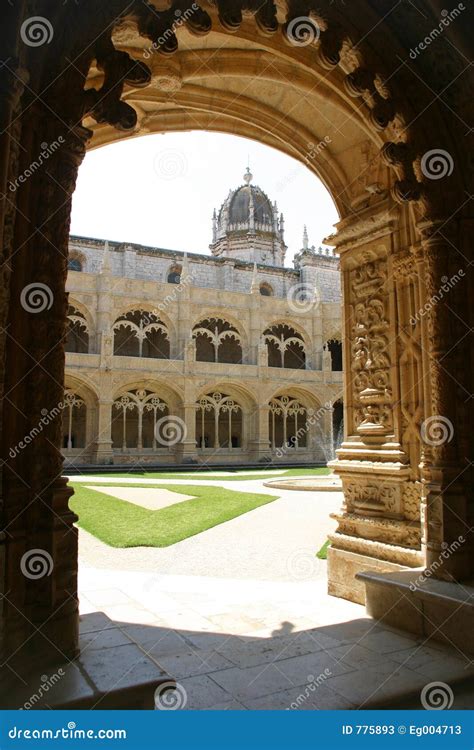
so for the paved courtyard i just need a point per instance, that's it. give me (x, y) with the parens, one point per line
(240, 617)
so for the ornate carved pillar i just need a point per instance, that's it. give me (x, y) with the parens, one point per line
(445, 513)
(40, 611)
(376, 530)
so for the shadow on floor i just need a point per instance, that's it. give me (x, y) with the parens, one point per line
(358, 664)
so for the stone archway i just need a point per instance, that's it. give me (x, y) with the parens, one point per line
(397, 229)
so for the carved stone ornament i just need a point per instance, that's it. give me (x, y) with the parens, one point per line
(372, 392)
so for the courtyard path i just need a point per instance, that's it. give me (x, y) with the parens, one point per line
(275, 542)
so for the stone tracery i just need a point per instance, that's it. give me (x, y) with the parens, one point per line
(141, 334)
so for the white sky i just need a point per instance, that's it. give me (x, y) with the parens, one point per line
(160, 190)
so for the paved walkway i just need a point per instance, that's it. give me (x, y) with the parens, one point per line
(240, 618)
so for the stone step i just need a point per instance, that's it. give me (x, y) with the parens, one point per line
(412, 600)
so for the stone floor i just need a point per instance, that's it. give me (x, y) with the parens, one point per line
(236, 644)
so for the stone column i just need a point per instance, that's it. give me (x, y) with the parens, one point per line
(40, 614)
(189, 451)
(373, 532)
(260, 444)
(444, 501)
(103, 444)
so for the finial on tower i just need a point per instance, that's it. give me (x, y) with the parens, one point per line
(248, 176)
(305, 238)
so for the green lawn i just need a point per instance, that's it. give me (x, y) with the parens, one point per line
(203, 475)
(323, 552)
(122, 524)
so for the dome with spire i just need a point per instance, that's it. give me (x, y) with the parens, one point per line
(248, 226)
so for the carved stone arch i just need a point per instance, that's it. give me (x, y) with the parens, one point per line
(236, 390)
(218, 339)
(172, 394)
(212, 312)
(297, 326)
(141, 332)
(225, 417)
(83, 308)
(286, 346)
(79, 419)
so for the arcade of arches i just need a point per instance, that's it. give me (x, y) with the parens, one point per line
(364, 117)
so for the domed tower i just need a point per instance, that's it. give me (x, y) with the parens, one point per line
(248, 227)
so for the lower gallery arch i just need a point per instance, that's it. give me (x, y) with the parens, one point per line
(299, 427)
(145, 424)
(79, 422)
